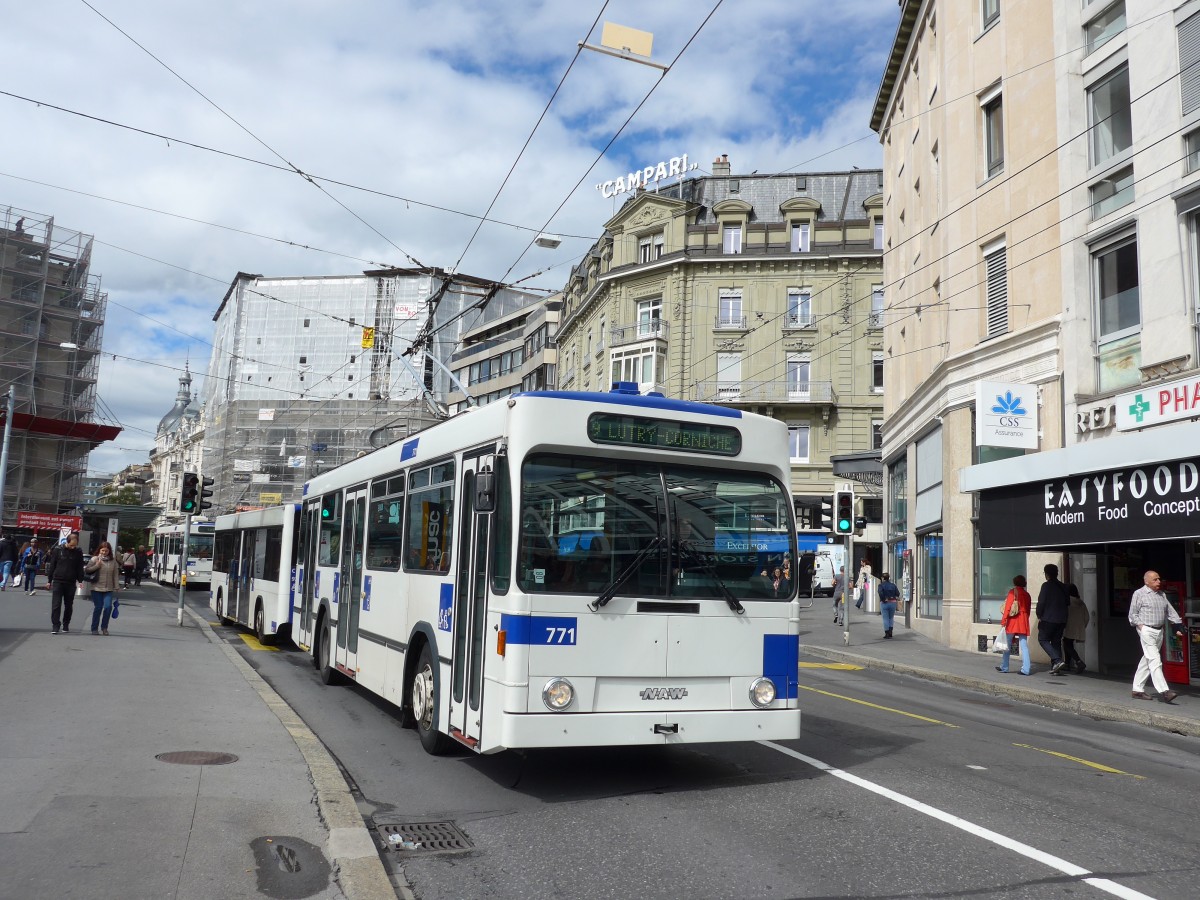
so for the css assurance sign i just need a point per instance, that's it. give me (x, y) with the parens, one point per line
(1006, 415)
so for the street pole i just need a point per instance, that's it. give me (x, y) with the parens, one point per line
(849, 549)
(183, 559)
(12, 397)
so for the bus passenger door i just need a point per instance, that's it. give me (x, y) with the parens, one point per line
(306, 560)
(245, 579)
(470, 605)
(350, 597)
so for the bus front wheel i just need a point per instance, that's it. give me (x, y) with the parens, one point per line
(425, 705)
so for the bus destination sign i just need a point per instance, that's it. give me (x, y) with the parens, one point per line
(660, 434)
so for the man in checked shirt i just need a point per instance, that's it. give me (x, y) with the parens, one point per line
(1150, 612)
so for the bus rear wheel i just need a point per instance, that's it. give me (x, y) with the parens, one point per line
(221, 609)
(329, 675)
(425, 705)
(260, 630)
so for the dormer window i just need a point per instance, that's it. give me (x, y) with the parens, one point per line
(801, 232)
(650, 248)
(731, 239)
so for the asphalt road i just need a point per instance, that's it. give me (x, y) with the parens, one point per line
(898, 788)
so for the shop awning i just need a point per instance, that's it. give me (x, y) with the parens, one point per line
(1128, 488)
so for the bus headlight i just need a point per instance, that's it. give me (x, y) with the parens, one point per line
(762, 692)
(558, 694)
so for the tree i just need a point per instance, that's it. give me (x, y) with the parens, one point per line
(124, 496)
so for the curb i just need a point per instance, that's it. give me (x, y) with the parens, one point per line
(1094, 709)
(358, 869)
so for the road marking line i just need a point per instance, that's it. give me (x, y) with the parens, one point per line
(1094, 765)
(1002, 840)
(255, 644)
(843, 667)
(898, 712)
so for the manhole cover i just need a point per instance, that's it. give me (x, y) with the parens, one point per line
(197, 758)
(424, 837)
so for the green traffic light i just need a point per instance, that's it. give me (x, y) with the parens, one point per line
(843, 525)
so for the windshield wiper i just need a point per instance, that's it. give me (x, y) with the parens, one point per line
(611, 591)
(706, 564)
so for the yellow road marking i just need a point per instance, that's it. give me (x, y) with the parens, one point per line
(255, 644)
(898, 712)
(1094, 765)
(844, 667)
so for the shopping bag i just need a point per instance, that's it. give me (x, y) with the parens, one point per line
(16, 582)
(1000, 643)
(116, 608)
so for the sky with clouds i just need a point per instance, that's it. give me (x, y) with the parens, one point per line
(428, 101)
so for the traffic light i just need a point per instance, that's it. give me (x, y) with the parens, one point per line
(205, 484)
(843, 512)
(827, 514)
(189, 493)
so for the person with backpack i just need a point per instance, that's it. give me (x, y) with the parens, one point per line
(128, 566)
(8, 557)
(64, 571)
(31, 562)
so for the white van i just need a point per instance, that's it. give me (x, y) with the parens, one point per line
(823, 576)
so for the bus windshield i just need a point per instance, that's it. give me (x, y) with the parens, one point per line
(690, 532)
(200, 546)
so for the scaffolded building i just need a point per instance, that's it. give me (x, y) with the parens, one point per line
(51, 329)
(307, 373)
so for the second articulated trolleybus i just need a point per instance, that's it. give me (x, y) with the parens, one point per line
(254, 568)
(561, 569)
(170, 565)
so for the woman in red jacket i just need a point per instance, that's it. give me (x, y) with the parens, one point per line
(1016, 623)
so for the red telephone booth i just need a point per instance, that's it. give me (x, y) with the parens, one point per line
(1175, 649)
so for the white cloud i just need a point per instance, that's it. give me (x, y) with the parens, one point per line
(429, 100)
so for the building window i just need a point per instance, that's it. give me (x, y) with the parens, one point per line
(729, 375)
(649, 317)
(798, 371)
(877, 372)
(800, 237)
(877, 234)
(729, 309)
(798, 442)
(799, 308)
(1118, 314)
(877, 434)
(1189, 63)
(993, 134)
(650, 248)
(989, 12)
(1191, 145)
(1113, 192)
(306, 323)
(1106, 26)
(1111, 120)
(731, 239)
(876, 319)
(600, 336)
(643, 365)
(996, 265)
(931, 574)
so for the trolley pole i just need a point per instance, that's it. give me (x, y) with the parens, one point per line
(183, 558)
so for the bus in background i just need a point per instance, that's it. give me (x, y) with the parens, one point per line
(168, 545)
(561, 569)
(254, 560)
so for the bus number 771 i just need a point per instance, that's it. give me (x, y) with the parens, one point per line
(560, 635)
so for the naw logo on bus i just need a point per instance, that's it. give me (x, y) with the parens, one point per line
(663, 693)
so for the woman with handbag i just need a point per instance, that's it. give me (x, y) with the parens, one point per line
(107, 574)
(1015, 615)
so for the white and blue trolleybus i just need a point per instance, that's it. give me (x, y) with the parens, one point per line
(254, 566)
(169, 562)
(561, 569)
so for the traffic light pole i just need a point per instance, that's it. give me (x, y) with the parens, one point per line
(849, 545)
(187, 537)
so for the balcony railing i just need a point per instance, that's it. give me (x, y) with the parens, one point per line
(800, 321)
(640, 331)
(778, 391)
(734, 322)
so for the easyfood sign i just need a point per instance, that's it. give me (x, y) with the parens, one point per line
(1155, 405)
(1149, 502)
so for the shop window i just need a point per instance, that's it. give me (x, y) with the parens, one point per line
(798, 436)
(931, 574)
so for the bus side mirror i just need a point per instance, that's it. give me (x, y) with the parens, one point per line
(485, 491)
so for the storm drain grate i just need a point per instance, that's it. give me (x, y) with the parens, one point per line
(197, 758)
(423, 837)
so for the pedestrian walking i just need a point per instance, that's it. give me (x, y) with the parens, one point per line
(1052, 604)
(1015, 615)
(889, 594)
(1150, 611)
(863, 584)
(64, 570)
(104, 588)
(141, 566)
(1078, 618)
(8, 558)
(839, 594)
(31, 564)
(128, 565)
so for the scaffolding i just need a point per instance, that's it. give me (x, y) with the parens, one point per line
(51, 328)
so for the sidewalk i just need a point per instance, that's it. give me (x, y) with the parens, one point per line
(87, 807)
(910, 653)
